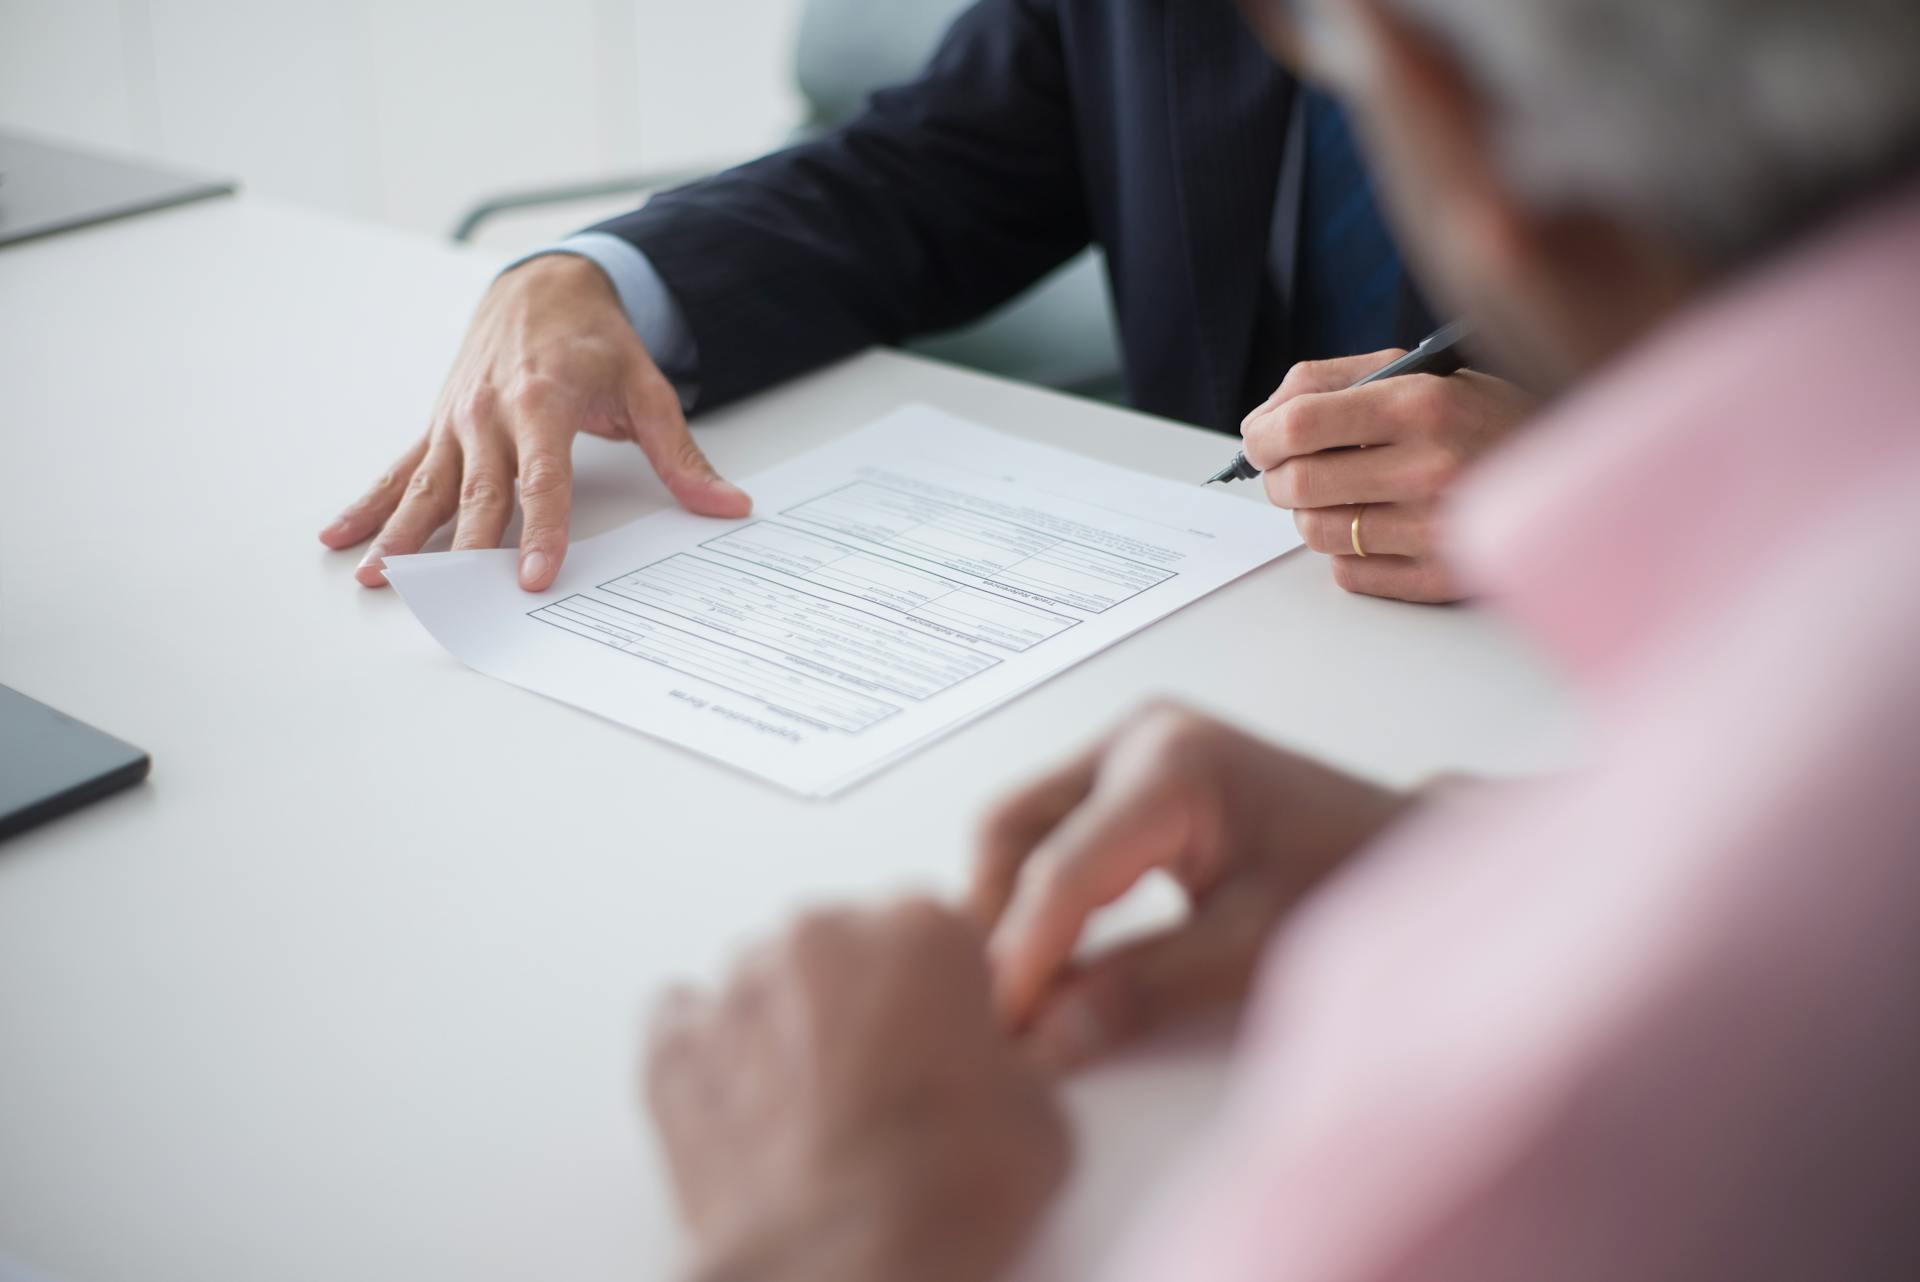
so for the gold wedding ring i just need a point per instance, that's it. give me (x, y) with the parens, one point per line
(1357, 549)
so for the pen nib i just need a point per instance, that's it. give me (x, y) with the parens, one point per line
(1238, 470)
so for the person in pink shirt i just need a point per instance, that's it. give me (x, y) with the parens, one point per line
(1659, 1019)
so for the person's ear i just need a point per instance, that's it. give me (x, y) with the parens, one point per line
(1430, 131)
(1555, 290)
(1477, 246)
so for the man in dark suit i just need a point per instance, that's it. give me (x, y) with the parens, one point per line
(1238, 224)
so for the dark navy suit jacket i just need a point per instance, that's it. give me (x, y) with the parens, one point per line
(1153, 128)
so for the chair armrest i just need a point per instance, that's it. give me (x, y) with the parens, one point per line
(566, 193)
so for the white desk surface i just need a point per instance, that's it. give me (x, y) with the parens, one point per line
(352, 988)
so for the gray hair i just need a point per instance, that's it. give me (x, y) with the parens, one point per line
(1723, 125)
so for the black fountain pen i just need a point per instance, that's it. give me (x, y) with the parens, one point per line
(1439, 354)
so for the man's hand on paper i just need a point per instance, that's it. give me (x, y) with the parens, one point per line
(1420, 432)
(549, 354)
(849, 1109)
(1246, 829)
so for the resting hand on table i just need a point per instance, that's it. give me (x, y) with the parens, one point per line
(1245, 828)
(549, 354)
(1420, 431)
(849, 1109)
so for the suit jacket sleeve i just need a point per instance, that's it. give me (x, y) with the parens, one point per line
(944, 198)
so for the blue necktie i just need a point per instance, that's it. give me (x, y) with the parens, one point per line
(1348, 280)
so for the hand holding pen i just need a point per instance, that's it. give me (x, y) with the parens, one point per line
(1364, 454)
(1439, 354)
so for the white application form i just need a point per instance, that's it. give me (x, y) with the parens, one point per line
(889, 587)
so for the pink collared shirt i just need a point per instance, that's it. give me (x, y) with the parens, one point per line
(1660, 1020)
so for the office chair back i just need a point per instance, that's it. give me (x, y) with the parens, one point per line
(846, 49)
(1061, 332)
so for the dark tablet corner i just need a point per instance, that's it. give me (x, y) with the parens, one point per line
(51, 764)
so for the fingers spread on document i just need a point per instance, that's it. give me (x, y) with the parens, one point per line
(426, 503)
(486, 492)
(659, 427)
(546, 499)
(370, 511)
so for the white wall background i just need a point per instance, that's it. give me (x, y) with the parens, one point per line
(405, 111)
